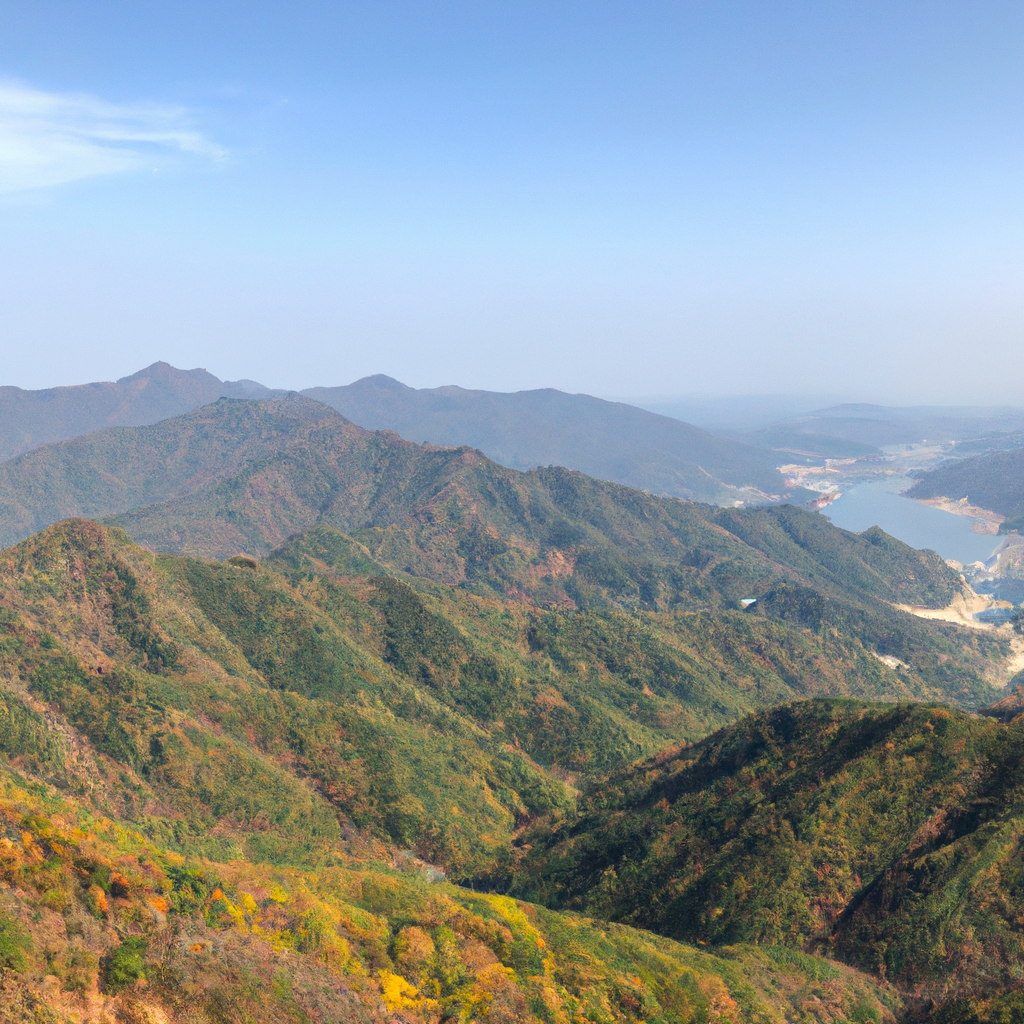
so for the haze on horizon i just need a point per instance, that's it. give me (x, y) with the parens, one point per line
(649, 199)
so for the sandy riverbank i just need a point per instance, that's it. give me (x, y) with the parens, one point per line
(983, 517)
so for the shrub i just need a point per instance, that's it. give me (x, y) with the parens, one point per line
(125, 965)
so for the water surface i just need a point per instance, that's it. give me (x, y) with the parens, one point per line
(879, 504)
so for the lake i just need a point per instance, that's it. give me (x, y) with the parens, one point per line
(879, 504)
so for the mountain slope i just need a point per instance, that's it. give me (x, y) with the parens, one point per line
(887, 836)
(278, 722)
(560, 539)
(205, 770)
(254, 473)
(243, 475)
(125, 467)
(583, 690)
(97, 922)
(525, 429)
(608, 440)
(29, 419)
(238, 752)
(418, 712)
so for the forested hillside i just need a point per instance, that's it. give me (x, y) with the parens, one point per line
(251, 474)
(431, 716)
(609, 440)
(248, 784)
(886, 837)
(994, 481)
(210, 770)
(100, 922)
(123, 468)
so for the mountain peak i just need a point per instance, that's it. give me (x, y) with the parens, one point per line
(165, 373)
(381, 382)
(30, 419)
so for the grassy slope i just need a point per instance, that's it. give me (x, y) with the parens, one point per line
(886, 836)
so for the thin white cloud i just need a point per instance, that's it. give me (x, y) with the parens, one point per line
(51, 138)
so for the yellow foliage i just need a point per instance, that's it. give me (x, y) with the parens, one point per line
(399, 994)
(317, 933)
(494, 985)
(224, 913)
(31, 847)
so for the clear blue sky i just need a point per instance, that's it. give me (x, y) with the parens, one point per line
(630, 198)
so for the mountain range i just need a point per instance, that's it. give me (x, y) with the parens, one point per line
(29, 419)
(304, 721)
(241, 477)
(608, 440)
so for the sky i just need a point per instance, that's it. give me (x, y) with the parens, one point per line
(628, 199)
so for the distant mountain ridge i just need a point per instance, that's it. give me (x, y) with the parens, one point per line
(29, 419)
(521, 430)
(856, 429)
(526, 429)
